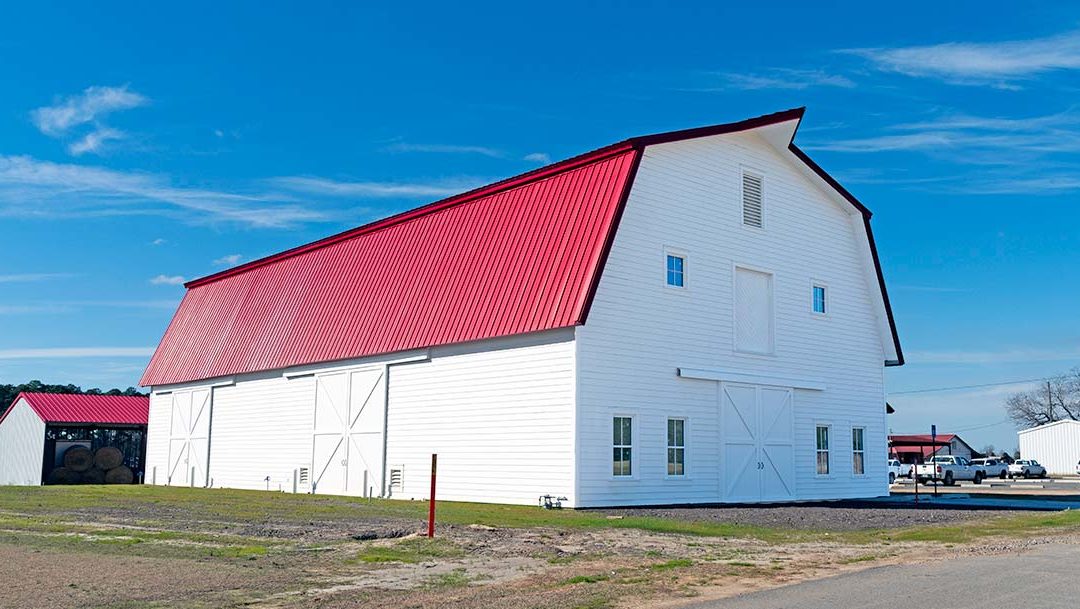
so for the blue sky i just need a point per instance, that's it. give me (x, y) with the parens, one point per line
(140, 146)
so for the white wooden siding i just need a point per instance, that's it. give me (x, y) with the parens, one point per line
(158, 426)
(500, 420)
(1055, 446)
(22, 446)
(498, 412)
(637, 335)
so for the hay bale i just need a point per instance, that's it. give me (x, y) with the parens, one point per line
(78, 459)
(94, 475)
(63, 475)
(108, 457)
(119, 475)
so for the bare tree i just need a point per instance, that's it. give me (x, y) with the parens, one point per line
(1056, 399)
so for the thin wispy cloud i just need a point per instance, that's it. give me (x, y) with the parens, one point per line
(75, 352)
(902, 287)
(94, 141)
(30, 277)
(1007, 356)
(35, 309)
(538, 157)
(377, 190)
(159, 241)
(168, 280)
(775, 78)
(229, 260)
(401, 147)
(74, 114)
(979, 63)
(34, 188)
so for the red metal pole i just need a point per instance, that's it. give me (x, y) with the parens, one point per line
(431, 501)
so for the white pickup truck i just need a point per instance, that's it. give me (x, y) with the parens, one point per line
(948, 469)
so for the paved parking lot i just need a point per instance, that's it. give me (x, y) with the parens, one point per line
(1018, 486)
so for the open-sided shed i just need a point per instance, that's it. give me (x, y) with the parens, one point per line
(39, 429)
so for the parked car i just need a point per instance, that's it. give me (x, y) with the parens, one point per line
(947, 469)
(991, 467)
(895, 469)
(1026, 468)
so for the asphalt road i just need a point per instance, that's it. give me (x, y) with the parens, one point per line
(1047, 577)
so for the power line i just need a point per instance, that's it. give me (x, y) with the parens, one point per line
(957, 387)
(1001, 422)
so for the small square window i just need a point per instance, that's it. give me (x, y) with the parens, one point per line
(819, 299)
(676, 271)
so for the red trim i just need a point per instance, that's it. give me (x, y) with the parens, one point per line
(609, 240)
(866, 213)
(794, 114)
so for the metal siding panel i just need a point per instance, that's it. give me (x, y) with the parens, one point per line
(509, 262)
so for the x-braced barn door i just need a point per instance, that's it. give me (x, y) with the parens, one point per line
(758, 446)
(347, 443)
(189, 437)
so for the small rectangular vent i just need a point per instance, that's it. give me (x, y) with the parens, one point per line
(397, 479)
(752, 187)
(304, 476)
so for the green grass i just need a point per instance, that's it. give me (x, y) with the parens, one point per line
(457, 578)
(410, 551)
(677, 563)
(584, 579)
(50, 505)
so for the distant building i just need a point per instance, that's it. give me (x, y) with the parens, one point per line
(39, 428)
(918, 454)
(1056, 446)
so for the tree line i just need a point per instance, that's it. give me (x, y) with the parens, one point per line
(8, 393)
(1055, 399)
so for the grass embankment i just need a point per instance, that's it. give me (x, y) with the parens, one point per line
(51, 507)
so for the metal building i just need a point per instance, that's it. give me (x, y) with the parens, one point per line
(1056, 446)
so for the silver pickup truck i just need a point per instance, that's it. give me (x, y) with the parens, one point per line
(948, 469)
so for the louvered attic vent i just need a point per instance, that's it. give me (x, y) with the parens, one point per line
(751, 200)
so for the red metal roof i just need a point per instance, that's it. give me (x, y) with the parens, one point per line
(77, 408)
(517, 257)
(521, 255)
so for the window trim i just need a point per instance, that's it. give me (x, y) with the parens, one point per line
(678, 253)
(771, 353)
(828, 450)
(685, 448)
(611, 446)
(760, 175)
(861, 428)
(814, 284)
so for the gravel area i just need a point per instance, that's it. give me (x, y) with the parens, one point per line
(817, 517)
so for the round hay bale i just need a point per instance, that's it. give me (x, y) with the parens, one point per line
(63, 475)
(94, 475)
(78, 459)
(119, 475)
(108, 457)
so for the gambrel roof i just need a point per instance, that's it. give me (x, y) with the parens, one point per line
(521, 255)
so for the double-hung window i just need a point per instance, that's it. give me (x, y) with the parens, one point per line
(819, 299)
(858, 454)
(622, 446)
(676, 270)
(676, 447)
(823, 450)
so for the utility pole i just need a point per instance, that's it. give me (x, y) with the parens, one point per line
(1050, 401)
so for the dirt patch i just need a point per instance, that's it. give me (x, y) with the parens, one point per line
(34, 578)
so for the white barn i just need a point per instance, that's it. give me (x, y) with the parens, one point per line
(690, 317)
(1056, 446)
